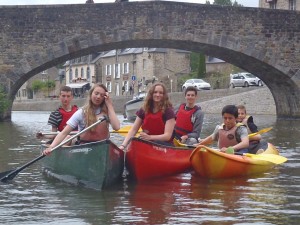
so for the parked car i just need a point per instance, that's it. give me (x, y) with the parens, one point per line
(197, 83)
(244, 80)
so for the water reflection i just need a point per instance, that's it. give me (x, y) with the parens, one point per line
(32, 198)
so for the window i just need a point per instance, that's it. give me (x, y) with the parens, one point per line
(88, 73)
(76, 72)
(126, 85)
(108, 70)
(108, 86)
(273, 4)
(82, 73)
(117, 89)
(117, 71)
(70, 75)
(292, 4)
(126, 68)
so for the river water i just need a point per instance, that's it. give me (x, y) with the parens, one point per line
(33, 198)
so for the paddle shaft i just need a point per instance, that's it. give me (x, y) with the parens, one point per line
(9, 175)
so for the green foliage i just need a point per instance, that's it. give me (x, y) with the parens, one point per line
(201, 66)
(4, 102)
(37, 85)
(225, 2)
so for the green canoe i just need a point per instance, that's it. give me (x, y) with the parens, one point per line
(95, 165)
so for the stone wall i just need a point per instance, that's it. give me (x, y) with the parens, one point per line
(256, 100)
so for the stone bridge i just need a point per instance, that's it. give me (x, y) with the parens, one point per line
(262, 41)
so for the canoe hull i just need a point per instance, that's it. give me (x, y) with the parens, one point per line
(148, 160)
(209, 163)
(95, 165)
(131, 107)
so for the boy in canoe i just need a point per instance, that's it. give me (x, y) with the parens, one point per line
(58, 118)
(256, 144)
(230, 135)
(189, 118)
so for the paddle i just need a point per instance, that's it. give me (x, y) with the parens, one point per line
(276, 159)
(179, 144)
(260, 131)
(9, 175)
(124, 130)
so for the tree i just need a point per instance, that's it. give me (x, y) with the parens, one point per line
(223, 2)
(226, 2)
(201, 66)
(4, 102)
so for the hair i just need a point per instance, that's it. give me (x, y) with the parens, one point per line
(88, 108)
(191, 88)
(66, 89)
(149, 103)
(242, 107)
(230, 109)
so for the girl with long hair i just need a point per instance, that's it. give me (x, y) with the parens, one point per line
(98, 104)
(156, 118)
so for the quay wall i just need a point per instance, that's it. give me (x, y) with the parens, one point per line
(258, 100)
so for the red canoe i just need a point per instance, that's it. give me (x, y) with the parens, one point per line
(146, 159)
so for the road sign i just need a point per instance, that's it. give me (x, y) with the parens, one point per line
(133, 77)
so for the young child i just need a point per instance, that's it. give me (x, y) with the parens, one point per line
(230, 134)
(256, 145)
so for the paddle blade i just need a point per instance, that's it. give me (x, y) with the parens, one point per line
(7, 176)
(276, 159)
(261, 131)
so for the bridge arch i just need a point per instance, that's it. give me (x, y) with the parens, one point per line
(261, 41)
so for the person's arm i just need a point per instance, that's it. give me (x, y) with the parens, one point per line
(113, 119)
(242, 131)
(197, 127)
(206, 141)
(58, 139)
(132, 132)
(166, 136)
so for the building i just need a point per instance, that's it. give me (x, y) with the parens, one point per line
(280, 4)
(131, 68)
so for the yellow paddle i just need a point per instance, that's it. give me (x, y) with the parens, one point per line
(177, 143)
(124, 130)
(260, 131)
(276, 159)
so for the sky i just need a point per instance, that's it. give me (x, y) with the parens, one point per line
(248, 3)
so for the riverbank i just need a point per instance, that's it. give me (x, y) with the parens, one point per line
(258, 100)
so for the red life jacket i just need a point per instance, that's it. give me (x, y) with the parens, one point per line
(228, 137)
(153, 123)
(98, 133)
(184, 124)
(66, 116)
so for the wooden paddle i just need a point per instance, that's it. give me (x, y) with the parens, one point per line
(9, 175)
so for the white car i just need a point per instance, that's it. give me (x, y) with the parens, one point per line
(197, 83)
(244, 80)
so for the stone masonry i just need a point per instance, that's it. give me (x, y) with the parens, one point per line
(264, 42)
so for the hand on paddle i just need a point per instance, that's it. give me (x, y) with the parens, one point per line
(39, 135)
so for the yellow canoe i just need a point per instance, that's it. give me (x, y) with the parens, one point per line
(211, 163)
